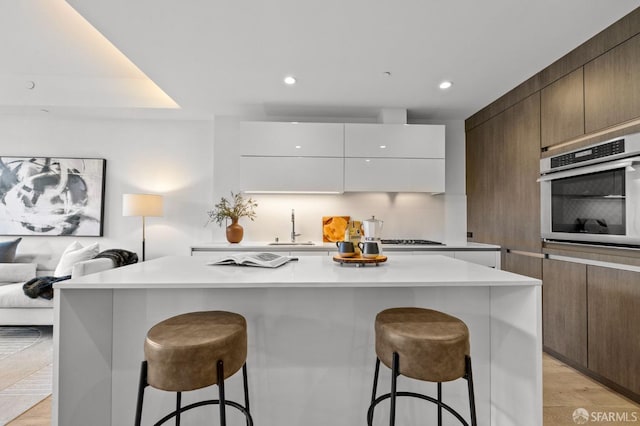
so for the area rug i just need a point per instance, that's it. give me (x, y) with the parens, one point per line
(25, 369)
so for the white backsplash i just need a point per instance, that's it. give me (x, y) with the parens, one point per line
(405, 215)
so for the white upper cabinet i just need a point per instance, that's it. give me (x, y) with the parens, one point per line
(272, 139)
(291, 157)
(394, 158)
(334, 157)
(394, 141)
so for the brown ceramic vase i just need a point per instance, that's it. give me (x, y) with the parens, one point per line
(234, 232)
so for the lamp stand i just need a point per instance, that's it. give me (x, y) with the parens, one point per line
(143, 238)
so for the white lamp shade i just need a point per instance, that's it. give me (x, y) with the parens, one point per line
(141, 205)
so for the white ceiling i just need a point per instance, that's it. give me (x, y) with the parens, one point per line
(215, 57)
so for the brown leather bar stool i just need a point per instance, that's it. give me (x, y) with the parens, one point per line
(426, 345)
(192, 351)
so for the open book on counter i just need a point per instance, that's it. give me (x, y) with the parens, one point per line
(264, 260)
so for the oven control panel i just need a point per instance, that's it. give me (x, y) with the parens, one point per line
(598, 151)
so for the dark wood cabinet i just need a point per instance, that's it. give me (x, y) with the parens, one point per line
(614, 325)
(518, 209)
(503, 196)
(482, 144)
(612, 85)
(562, 109)
(564, 309)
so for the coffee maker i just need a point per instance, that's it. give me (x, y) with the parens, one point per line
(373, 231)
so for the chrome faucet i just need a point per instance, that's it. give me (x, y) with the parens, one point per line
(293, 226)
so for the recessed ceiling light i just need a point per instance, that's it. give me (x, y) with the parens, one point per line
(290, 80)
(445, 85)
(298, 146)
(383, 146)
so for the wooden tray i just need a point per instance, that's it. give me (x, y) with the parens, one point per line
(359, 260)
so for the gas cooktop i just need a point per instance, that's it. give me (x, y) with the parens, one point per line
(411, 242)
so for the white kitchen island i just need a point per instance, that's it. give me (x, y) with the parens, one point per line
(311, 343)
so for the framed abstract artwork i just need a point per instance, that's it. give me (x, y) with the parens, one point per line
(52, 196)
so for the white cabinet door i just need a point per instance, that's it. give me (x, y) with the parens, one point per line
(394, 175)
(291, 174)
(394, 141)
(289, 139)
(287, 157)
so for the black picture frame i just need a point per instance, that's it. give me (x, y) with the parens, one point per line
(52, 196)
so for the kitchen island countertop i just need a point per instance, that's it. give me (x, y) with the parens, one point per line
(312, 271)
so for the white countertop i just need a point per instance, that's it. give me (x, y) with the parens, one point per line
(312, 271)
(319, 246)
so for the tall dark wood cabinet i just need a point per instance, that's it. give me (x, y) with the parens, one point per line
(482, 147)
(503, 196)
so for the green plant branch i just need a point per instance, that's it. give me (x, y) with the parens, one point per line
(240, 207)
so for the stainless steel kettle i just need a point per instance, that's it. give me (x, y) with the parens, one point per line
(372, 228)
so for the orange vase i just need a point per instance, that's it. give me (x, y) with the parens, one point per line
(234, 232)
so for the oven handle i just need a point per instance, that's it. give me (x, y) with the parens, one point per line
(610, 165)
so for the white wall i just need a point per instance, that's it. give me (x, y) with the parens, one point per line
(172, 158)
(406, 215)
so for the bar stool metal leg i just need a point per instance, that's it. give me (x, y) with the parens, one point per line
(143, 384)
(223, 414)
(178, 400)
(439, 403)
(246, 391)
(472, 400)
(395, 371)
(373, 394)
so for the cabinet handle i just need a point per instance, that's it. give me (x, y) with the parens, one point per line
(527, 253)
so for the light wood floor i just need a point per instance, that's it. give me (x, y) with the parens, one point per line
(564, 390)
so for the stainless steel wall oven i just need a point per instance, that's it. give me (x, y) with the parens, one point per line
(592, 195)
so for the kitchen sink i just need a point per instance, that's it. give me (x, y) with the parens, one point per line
(306, 243)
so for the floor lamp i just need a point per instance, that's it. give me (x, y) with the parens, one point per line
(144, 205)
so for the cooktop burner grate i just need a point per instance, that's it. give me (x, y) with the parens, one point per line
(410, 242)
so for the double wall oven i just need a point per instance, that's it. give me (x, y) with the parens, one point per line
(592, 195)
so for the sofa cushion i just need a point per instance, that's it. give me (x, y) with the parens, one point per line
(8, 250)
(73, 254)
(17, 272)
(12, 296)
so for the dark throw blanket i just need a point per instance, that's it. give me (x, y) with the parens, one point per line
(119, 257)
(43, 286)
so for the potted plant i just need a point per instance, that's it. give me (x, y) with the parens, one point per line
(235, 209)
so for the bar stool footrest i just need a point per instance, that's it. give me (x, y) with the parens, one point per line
(414, 395)
(233, 404)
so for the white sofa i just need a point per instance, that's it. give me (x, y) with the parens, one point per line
(18, 309)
